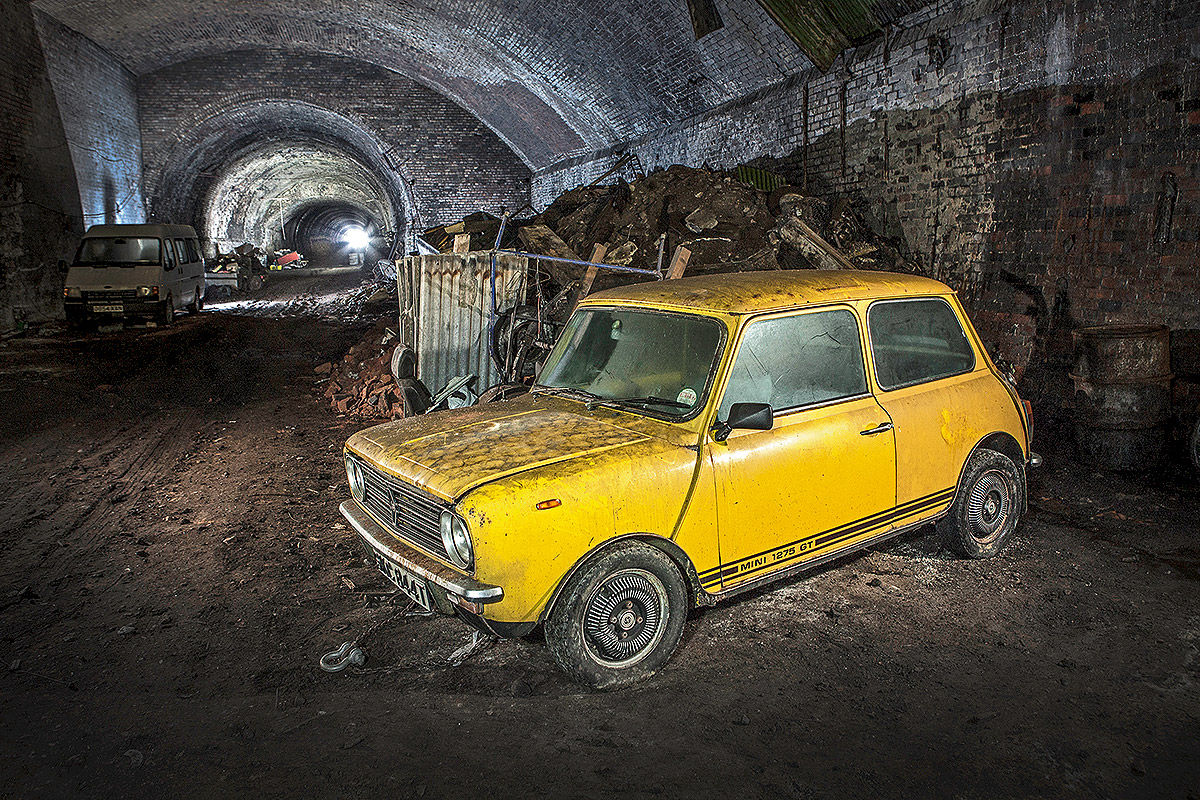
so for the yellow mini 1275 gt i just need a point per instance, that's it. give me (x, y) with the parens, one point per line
(688, 440)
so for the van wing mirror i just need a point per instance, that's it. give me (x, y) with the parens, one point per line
(745, 416)
(63, 266)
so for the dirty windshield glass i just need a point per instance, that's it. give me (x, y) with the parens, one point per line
(651, 361)
(99, 252)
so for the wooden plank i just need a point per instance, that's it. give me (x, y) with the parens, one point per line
(543, 241)
(679, 262)
(589, 277)
(829, 256)
(462, 243)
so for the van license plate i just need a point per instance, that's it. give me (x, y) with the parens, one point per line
(109, 309)
(408, 583)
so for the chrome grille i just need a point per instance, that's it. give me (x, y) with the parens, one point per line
(410, 513)
(111, 294)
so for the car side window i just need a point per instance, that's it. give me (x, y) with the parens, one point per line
(914, 341)
(168, 254)
(796, 361)
(192, 250)
(182, 251)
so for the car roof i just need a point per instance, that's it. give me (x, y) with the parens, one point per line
(748, 292)
(153, 229)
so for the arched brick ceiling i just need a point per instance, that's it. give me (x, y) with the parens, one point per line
(552, 79)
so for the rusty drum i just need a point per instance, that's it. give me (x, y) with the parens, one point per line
(1122, 403)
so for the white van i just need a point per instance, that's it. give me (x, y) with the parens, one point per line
(144, 271)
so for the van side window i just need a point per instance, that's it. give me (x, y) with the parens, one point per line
(168, 254)
(796, 361)
(182, 252)
(193, 252)
(914, 341)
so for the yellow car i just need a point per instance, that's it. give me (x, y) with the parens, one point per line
(688, 440)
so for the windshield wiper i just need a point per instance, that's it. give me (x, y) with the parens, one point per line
(645, 400)
(555, 390)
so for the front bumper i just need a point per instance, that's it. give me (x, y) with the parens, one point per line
(229, 279)
(379, 540)
(130, 307)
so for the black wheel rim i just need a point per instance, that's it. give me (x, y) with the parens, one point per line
(989, 505)
(624, 619)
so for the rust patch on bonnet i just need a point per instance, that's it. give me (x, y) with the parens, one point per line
(459, 452)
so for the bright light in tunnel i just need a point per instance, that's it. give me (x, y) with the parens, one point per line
(356, 238)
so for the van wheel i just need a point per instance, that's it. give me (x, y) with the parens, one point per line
(619, 617)
(197, 303)
(987, 506)
(167, 315)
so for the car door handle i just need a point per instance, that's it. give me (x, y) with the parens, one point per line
(880, 428)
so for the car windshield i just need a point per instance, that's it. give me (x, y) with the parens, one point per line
(120, 250)
(651, 361)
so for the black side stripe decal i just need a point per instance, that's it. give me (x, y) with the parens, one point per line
(827, 539)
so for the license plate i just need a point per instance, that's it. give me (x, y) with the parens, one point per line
(109, 309)
(408, 583)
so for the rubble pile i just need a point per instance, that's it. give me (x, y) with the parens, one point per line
(728, 225)
(361, 384)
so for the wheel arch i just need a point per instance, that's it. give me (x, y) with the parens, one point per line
(669, 548)
(1006, 444)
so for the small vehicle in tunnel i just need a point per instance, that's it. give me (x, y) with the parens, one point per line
(689, 440)
(134, 272)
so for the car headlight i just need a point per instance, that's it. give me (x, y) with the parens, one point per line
(457, 540)
(147, 291)
(354, 475)
(73, 291)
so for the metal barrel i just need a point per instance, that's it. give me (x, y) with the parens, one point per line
(1122, 403)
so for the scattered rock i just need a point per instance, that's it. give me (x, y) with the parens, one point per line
(702, 219)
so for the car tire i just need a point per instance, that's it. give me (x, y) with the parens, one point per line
(196, 304)
(167, 316)
(640, 588)
(404, 362)
(414, 396)
(986, 507)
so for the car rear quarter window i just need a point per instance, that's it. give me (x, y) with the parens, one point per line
(919, 340)
(796, 361)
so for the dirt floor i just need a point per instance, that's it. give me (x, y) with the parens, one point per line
(174, 564)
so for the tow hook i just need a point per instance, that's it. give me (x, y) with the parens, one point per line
(348, 655)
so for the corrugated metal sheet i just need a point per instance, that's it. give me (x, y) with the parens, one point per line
(445, 303)
(824, 28)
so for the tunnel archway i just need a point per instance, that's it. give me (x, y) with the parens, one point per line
(292, 194)
(324, 230)
(236, 171)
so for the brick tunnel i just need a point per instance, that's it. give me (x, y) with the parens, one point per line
(394, 223)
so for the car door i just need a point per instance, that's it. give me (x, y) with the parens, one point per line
(171, 273)
(187, 273)
(923, 363)
(823, 477)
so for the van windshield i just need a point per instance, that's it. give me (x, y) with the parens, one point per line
(119, 251)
